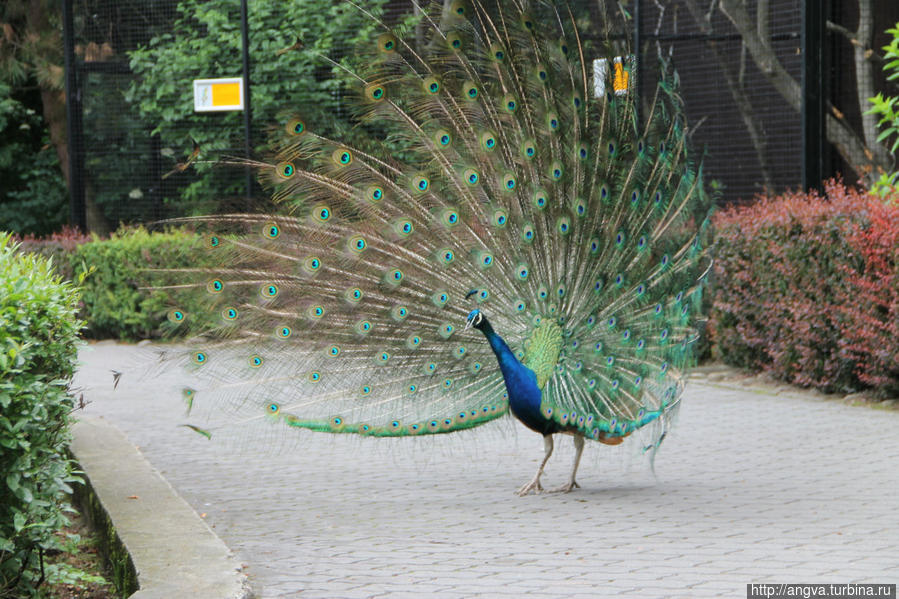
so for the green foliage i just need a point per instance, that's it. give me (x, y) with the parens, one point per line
(69, 575)
(56, 247)
(60, 573)
(32, 42)
(886, 107)
(33, 196)
(205, 43)
(117, 272)
(38, 349)
(116, 301)
(112, 182)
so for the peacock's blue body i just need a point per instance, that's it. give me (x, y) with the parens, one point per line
(510, 160)
(525, 393)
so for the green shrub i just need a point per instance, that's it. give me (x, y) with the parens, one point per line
(887, 108)
(38, 348)
(33, 197)
(125, 278)
(300, 78)
(57, 247)
(117, 301)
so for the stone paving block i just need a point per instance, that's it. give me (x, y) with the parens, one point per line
(728, 504)
(330, 594)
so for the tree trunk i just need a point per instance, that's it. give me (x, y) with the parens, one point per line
(864, 78)
(54, 110)
(50, 76)
(858, 149)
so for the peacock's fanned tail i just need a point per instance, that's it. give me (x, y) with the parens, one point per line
(570, 215)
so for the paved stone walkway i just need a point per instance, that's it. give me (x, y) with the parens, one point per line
(752, 487)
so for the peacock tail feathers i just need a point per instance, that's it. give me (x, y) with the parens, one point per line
(503, 184)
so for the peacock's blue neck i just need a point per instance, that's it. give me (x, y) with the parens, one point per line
(521, 384)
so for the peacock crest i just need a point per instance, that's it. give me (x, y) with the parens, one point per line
(517, 189)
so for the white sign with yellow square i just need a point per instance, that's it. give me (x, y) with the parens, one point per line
(212, 95)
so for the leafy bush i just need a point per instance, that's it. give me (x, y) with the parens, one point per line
(38, 348)
(33, 197)
(870, 315)
(806, 288)
(117, 274)
(205, 42)
(887, 107)
(116, 300)
(57, 247)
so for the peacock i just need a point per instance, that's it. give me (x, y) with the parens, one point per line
(522, 234)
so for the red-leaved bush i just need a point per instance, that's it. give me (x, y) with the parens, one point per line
(57, 247)
(871, 313)
(807, 287)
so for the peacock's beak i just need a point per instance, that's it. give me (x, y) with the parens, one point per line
(472, 316)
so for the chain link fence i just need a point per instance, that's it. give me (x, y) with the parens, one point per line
(768, 86)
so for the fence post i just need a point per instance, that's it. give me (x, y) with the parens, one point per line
(814, 134)
(74, 124)
(247, 111)
(638, 72)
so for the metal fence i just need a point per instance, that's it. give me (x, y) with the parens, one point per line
(759, 91)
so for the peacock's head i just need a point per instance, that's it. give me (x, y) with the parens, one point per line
(475, 319)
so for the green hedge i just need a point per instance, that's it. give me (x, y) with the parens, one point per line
(38, 350)
(57, 247)
(117, 301)
(128, 278)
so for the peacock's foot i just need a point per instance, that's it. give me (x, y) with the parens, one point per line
(534, 486)
(566, 488)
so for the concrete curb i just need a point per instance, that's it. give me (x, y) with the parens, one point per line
(173, 550)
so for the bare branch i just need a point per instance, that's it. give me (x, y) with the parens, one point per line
(864, 78)
(850, 146)
(741, 76)
(837, 28)
(738, 93)
(761, 20)
(859, 149)
(703, 20)
(762, 53)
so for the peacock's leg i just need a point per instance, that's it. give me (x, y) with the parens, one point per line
(535, 485)
(572, 484)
